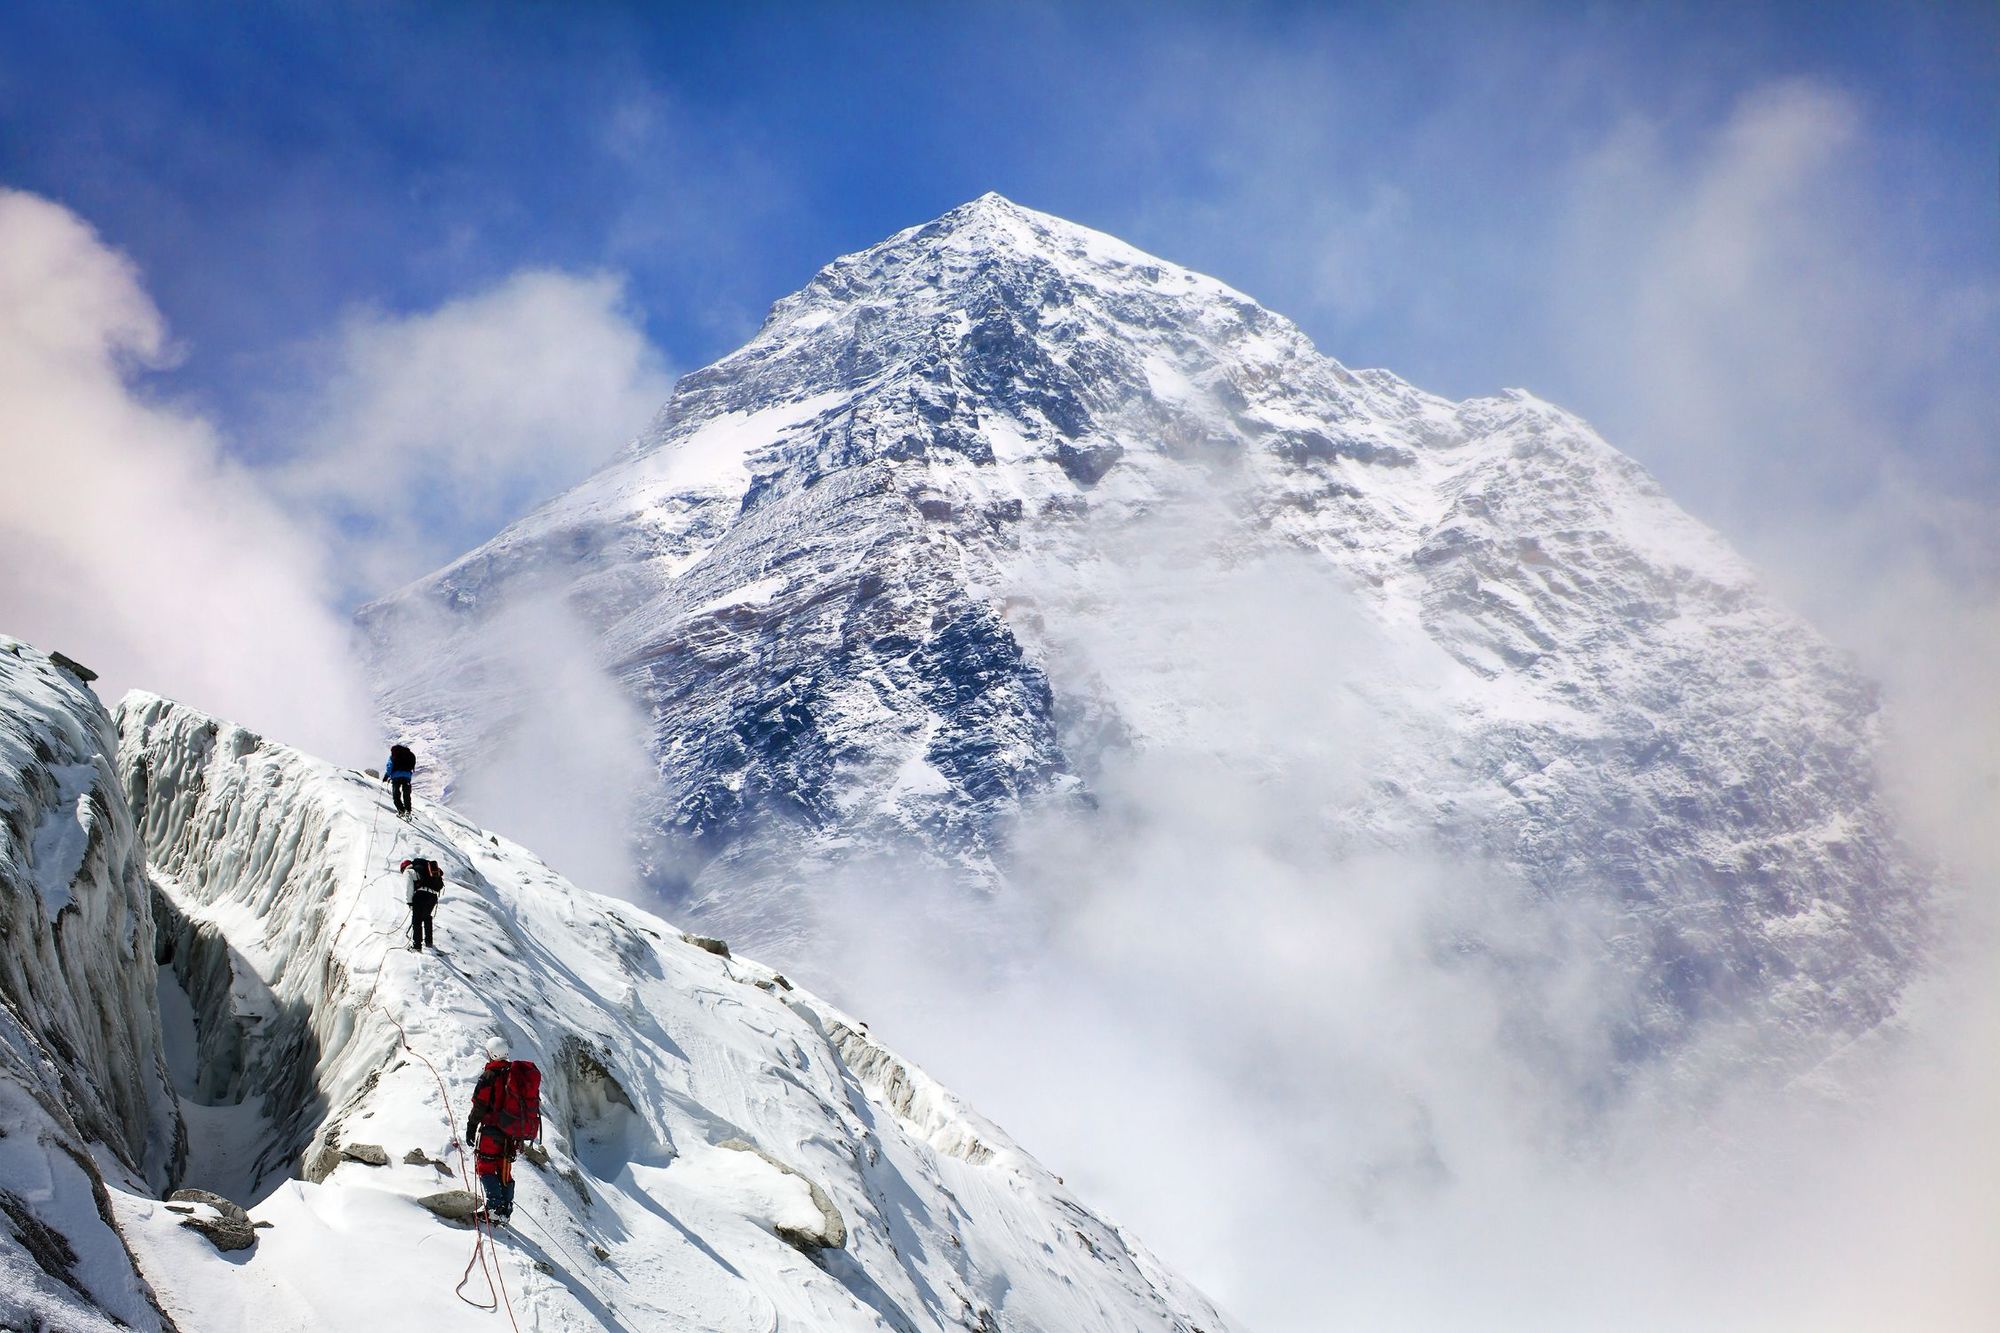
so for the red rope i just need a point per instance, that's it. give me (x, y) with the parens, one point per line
(478, 1254)
(481, 1241)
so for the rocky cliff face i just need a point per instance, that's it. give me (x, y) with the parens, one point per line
(869, 577)
(85, 1097)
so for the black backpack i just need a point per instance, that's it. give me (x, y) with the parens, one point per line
(430, 876)
(402, 758)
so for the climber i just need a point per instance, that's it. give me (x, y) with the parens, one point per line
(506, 1112)
(423, 885)
(402, 766)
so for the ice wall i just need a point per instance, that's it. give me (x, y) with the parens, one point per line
(84, 1092)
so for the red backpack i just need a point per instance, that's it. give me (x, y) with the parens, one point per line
(517, 1101)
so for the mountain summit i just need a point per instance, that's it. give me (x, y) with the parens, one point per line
(1001, 506)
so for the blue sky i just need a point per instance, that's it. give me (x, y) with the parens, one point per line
(1756, 245)
(268, 166)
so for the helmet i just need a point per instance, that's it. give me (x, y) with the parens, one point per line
(496, 1048)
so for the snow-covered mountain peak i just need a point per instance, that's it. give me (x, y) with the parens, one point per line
(966, 522)
(984, 237)
(987, 285)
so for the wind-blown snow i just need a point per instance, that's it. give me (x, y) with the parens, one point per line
(698, 1106)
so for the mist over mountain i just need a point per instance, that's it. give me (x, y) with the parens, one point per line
(999, 524)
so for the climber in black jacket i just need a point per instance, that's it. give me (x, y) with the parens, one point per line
(423, 885)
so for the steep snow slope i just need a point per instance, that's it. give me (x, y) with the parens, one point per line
(872, 578)
(84, 1098)
(699, 1106)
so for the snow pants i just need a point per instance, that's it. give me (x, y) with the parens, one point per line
(499, 1189)
(421, 907)
(400, 789)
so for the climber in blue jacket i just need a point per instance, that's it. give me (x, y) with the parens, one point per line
(402, 766)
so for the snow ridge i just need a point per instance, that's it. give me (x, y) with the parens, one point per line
(726, 1151)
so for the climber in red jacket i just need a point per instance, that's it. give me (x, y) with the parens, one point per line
(506, 1113)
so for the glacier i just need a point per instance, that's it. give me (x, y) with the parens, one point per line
(908, 573)
(87, 1108)
(227, 1002)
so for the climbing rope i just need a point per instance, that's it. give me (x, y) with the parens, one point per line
(484, 1255)
(368, 859)
(481, 1242)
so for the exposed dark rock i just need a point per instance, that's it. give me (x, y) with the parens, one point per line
(1086, 467)
(321, 1164)
(418, 1157)
(74, 667)
(229, 1229)
(48, 1247)
(457, 1205)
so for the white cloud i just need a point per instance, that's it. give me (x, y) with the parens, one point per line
(421, 435)
(1238, 1042)
(1344, 1086)
(561, 752)
(1759, 324)
(1789, 354)
(132, 542)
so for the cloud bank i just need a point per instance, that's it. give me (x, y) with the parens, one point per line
(1769, 335)
(420, 435)
(1342, 1085)
(133, 541)
(1241, 1038)
(139, 542)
